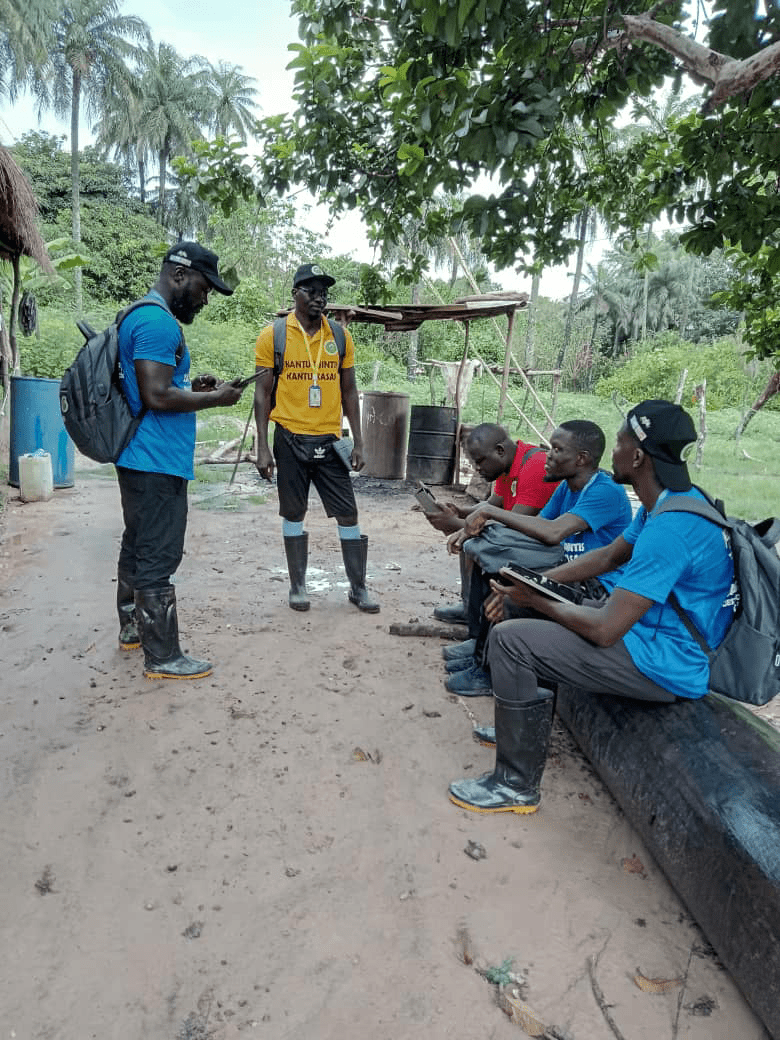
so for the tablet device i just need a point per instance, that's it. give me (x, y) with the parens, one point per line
(547, 586)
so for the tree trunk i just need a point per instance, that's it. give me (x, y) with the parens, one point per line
(575, 289)
(164, 151)
(769, 391)
(74, 180)
(142, 179)
(5, 357)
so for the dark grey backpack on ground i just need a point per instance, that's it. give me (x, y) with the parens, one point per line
(746, 665)
(94, 408)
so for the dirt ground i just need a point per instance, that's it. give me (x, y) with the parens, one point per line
(270, 852)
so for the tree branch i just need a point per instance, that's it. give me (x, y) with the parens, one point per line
(726, 75)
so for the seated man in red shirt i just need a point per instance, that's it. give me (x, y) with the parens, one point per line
(518, 470)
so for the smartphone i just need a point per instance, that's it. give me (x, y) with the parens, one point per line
(427, 501)
(242, 383)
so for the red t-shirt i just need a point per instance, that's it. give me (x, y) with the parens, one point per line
(524, 484)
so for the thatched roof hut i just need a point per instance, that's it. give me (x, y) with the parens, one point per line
(19, 235)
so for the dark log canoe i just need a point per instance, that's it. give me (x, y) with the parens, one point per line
(700, 781)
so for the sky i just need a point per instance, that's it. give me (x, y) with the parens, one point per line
(254, 36)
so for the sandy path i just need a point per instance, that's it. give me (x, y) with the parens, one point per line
(270, 851)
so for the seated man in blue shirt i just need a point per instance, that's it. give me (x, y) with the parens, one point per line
(586, 511)
(633, 644)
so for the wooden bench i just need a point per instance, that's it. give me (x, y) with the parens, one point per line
(700, 782)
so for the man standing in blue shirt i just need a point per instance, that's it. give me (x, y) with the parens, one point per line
(154, 468)
(633, 644)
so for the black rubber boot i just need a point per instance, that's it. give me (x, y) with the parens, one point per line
(129, 639)
(355, 554)
(297, 551)
(159, 628)
(522, 736)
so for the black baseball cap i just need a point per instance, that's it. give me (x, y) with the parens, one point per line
(198, 258)
(310, 273)
(666, 433)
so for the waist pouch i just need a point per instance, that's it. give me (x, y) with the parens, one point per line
(309, 448)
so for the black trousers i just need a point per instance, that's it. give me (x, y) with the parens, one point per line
(154, 507)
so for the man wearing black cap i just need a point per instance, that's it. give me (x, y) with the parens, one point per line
(154, 468)
(634, 644)
(306, 401)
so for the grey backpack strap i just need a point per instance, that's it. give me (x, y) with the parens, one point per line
(280, 342)
(340, 337)
(688, 504)
(709, 511)
(533, 450)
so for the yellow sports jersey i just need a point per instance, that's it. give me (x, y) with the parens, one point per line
(293, 410)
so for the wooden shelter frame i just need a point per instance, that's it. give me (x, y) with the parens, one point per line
(409, 317)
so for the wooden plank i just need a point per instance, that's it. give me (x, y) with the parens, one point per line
(700, 781)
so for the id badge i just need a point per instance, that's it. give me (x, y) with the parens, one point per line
(315, 396)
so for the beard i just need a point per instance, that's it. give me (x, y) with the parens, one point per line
(183, 307)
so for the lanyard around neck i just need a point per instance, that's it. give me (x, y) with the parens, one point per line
(315, 365)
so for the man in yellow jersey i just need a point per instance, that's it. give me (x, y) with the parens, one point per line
(315, 385)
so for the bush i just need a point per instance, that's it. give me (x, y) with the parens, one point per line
(656, 370)
(250, 305)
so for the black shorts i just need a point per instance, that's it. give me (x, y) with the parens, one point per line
(302, 461)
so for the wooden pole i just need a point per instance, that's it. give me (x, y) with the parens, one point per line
(457, 401)
(475, 287)
(505, 374)
(539, 434)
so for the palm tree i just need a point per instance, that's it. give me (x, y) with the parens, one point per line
(91, 45)
(23, 41)
(119, 130)
(232, 101)
(173, 98)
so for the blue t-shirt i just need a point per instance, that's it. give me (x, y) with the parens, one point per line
(602, 504)
(165, 441)
(692, 556)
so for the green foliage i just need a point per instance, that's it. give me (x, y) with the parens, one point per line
(250, 305)
(756, 296)
(226, 350)
(122, 243)
(124, 249)
(47, 167)
(49, 354)
(219, 174)
(655, 372)
(427, 97)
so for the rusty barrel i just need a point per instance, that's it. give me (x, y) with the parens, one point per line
(385, 423)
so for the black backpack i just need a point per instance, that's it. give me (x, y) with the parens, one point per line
(94, 408)
(746, 665)
(280, 342)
